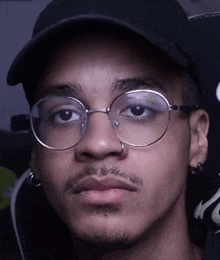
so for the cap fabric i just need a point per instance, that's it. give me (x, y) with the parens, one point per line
(209, 26)
(163, 23)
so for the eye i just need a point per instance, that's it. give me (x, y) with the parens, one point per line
(65, 115)
(137, 111)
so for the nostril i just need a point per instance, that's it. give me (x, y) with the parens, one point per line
(87, 155)
(98, 155)
(114, 153)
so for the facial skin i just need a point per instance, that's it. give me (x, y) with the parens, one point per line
(151, 219)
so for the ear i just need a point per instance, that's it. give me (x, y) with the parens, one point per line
(199, 126)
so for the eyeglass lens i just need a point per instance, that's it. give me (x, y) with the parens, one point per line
(138, 118)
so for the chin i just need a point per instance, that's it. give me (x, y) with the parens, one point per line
(103, 232)
(104, 240)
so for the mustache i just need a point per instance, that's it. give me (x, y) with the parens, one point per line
(102, 172)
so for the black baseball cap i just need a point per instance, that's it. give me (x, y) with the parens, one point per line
(163, 23)
(208, 25)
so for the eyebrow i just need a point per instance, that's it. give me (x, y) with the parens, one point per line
(138, 83)
(128, 84)
(67, 89)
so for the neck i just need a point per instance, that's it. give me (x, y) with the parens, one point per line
(167, 239)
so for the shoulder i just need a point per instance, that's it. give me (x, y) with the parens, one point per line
(10, 256)
(8, 244)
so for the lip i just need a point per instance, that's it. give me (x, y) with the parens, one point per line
(102, 184)
(103, 191)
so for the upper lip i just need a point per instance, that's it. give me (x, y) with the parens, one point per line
(102, 184)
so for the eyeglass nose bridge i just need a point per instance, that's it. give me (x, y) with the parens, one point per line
(101, 110)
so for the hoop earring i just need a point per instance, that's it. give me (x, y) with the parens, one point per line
(32, 180)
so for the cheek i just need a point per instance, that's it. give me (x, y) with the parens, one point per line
(163, 166)
(49, 163)
(52, 168)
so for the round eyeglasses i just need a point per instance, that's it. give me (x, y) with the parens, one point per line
(139, 118)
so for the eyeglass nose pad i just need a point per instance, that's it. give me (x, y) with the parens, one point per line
(83, 128)
(115, 124)
(116, 127)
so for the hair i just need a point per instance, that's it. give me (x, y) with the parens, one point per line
(190, 93)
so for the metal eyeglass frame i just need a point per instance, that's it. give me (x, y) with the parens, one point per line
(184, 108)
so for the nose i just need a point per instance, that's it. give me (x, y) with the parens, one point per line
(100, 140)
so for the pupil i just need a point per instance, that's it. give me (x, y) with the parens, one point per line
(137, 111)
(65, 115)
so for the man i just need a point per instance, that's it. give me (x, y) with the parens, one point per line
(116, 90)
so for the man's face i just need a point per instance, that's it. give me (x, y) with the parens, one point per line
(90, 66)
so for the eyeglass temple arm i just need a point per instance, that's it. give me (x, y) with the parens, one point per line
(184, 108)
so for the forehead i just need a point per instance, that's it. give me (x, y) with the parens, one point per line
(108, 58)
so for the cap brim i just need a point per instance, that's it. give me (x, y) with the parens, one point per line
(25, 57)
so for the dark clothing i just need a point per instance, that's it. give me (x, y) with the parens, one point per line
(8, 242)
(41, 235)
